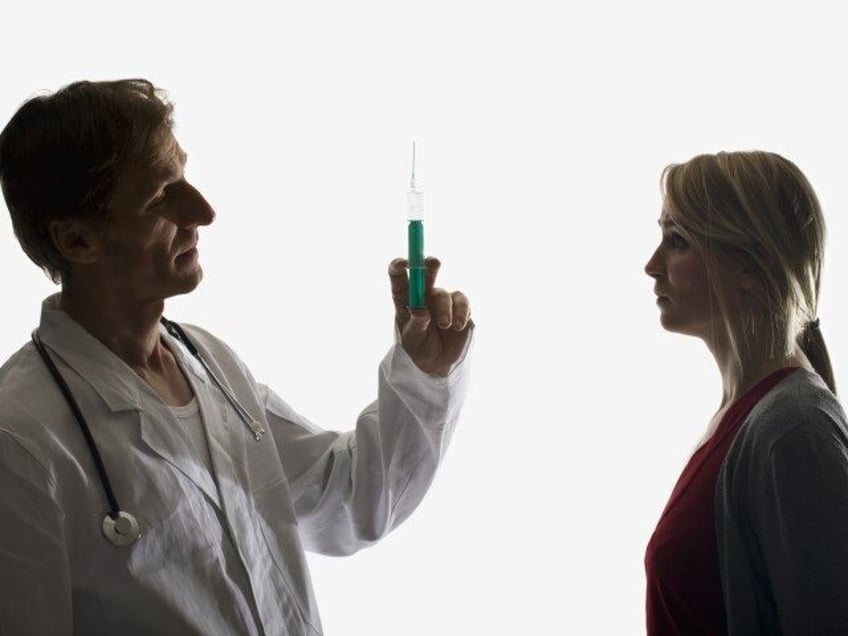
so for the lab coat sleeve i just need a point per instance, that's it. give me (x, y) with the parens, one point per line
(35, 589)
(349, 489)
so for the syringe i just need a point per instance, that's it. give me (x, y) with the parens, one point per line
(415, 233)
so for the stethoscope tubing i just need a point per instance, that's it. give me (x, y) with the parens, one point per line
(114, 508)
(179, 334)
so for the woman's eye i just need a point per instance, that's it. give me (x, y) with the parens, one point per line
(675, 240)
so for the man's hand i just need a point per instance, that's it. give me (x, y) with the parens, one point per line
(433, 337)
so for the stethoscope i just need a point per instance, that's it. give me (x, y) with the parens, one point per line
(120, 527)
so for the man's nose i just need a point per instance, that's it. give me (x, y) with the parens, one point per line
(194, 209)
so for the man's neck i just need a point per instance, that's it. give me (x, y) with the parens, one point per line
(130, 330)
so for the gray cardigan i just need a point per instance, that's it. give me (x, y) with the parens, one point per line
(781, 508)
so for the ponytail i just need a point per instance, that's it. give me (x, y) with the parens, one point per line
(812, 344)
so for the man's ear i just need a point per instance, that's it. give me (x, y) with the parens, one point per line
(75, 240)
(747, 280)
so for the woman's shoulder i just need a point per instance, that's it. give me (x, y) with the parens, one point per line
(799, 407)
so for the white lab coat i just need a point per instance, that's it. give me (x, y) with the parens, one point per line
(220, 553)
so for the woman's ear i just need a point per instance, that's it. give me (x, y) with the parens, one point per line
(751, 273)
(75, 240)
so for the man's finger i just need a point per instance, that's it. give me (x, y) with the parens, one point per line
(400, 283)
(440, 307)
(419, 321)
(461, 310)
(432, 264)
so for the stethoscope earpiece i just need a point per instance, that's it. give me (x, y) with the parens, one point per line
(122, 531)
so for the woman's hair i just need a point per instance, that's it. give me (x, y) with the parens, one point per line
(757, 209)
(62, 154)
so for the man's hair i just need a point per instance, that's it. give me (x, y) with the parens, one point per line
(61, 155)
(758, 209)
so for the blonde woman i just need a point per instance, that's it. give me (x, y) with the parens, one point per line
(754, 538)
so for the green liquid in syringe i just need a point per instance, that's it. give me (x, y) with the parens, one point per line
(417, 271)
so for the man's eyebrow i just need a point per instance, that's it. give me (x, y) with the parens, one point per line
(169, 172)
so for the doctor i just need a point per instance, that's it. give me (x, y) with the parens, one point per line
(148, 484)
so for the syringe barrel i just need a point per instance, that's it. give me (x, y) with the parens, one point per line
(417, 270)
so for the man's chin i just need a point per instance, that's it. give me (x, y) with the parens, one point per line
(187, 283)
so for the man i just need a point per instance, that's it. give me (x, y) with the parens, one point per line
(148, 490)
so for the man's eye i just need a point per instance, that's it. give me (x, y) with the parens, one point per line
(159, 198)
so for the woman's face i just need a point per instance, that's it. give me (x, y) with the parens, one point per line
(687, 302)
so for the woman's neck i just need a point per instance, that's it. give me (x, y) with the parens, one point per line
(738, 377)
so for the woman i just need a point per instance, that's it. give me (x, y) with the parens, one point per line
(754, 538)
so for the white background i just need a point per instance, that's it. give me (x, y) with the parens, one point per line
(541, 133)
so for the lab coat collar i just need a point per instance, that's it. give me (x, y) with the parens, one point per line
(116, 383)
(121, 389)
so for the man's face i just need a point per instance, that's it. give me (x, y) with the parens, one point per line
(150, 241)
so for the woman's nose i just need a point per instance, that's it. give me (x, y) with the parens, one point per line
(653, 267)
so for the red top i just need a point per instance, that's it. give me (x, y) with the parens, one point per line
(681, 561)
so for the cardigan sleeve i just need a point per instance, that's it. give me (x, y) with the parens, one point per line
(799, 506)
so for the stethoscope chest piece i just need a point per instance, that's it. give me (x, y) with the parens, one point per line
(121, 531)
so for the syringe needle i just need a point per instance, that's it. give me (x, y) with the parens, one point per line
(412, 181)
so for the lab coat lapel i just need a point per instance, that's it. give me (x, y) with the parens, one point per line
(161, 433)
(220, 423)
(225, 433)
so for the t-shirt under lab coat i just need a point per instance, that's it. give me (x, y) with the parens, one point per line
(220, 553)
